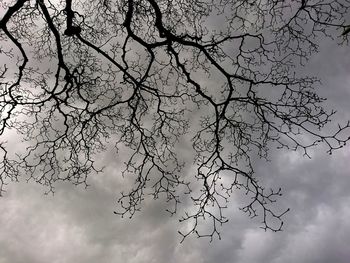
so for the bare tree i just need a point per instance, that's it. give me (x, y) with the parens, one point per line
(77, 76)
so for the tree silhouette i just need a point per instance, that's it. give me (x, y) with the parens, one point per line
(145, 75)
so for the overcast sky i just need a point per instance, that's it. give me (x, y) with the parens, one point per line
(78, 225)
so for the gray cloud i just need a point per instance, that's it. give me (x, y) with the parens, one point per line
(78, 225)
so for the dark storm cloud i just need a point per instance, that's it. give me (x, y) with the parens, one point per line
(78, 225)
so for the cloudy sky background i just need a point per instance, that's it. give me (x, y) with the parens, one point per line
(78, 225)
